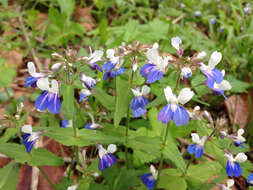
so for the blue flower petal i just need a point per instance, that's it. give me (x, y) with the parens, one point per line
(54, 103)
(108, 66)
(41, 102)
(154, 75)
(146, 69)
(181, 116)
(237, 170)
(31, 81)
(64, 123)
(108, 160)
(148, 180)
(166, 114)
(250, 179)
(138, 112)
(28, 144)
(198, 151)
(191, 148)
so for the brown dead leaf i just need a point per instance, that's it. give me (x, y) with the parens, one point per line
(83, 16)
(13, 57)
(238, 109)
(24, 177)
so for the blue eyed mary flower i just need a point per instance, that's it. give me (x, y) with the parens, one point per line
(29, 137)
(233, 167)
(176, 43)
(89, 82)
(219, 88)
(174, 111)
(34, 76)
(92, 125)
(149, 179)
(156, 65)
(186, 72)
(84, 94)
(106, 159)
(49, 99)
(112, 67)
(139, 102)
(66, 123)
(94, 57)
(198, 147)
(197, 13)
(238, 139)
(230, 183)
(250, 179)
(213, 20)
(211, 73)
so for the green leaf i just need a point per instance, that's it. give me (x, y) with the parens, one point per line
(127, 179)
(99, 4)
(67, 6)
(171, 183)
(122, 101)
(197, 80)
(9, 176)
(198, 174)
(130, 31)
(105, 99)
(7, 75)
(237, 85)
(9, 133)
(15, 151)
(68, 104)
(42, 157)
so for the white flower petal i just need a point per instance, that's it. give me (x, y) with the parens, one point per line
(31, 68)
(27, 129)
(224, 85)
(153, 56)
(110, 53)
(155, 46)
(203, 140)
(111, 148)
(185, 95)
(201, 55)
(223, 72)
(240, 132)
(175, 42)
(96, 56)
(230, 182)
(73, 187)
(101, 151)
(241, 157)
(168, 93)
(43, 84)
(214, 59)
(153, 171)
(54, 87)
(195, 138)
(136, 92)
(229, 157)
(145, 90)
(55, 67)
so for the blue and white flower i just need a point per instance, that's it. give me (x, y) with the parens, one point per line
(34, 76)
(201, 55)
(213, 21)
(212, 74)
(176, 43)
(66, 123)
(149, 179)
(106, 159)
(49, 99)
(174, 111)
(94, 57)
(84, 94)
(29, 137)
(233, 167)
(73, 187)
(186, 72)
(222, 86)
(197, 13)
(92, 125)
(198, 147)
(139, 102)
(239, 139)
(250, 179)
(230, 183)
(89, 82)
(112, 67)
(156, 65)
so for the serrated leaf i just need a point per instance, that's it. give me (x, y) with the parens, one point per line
(198, 174)
(42, 157)
(67, 6)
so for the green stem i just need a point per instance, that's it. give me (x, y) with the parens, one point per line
(71, 164)
(162, 155)
(46, 177)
